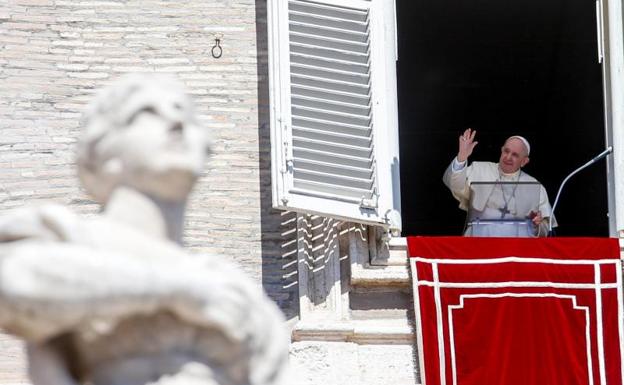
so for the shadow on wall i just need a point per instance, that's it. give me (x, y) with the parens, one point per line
(322, 243)
(278, 228)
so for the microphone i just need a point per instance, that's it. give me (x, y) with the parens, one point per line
(603, 154)
(600, 156)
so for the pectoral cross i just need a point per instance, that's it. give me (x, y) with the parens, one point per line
(504, 211)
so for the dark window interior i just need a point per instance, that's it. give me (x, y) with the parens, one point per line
(526, 67)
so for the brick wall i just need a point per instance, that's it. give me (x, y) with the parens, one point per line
(55, 54)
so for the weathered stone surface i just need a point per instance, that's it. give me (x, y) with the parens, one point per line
(333, 363)
(31, 70)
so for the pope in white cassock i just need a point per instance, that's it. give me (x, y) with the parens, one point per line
(505, 199)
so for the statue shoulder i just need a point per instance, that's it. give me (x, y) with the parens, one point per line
(45, 222)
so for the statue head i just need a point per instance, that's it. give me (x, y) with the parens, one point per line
(141, 132)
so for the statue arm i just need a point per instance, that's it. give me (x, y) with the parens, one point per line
(50, 222)
(67, 284)
(50, 288)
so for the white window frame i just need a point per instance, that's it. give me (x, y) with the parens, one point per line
(385, 115)
(611, 39)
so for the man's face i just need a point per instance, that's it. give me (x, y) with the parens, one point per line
(513, 156)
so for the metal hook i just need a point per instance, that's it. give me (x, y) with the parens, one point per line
(217, 51)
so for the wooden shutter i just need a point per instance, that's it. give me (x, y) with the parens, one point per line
(334, 145)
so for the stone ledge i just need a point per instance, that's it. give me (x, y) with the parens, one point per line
(379, 331)
(367, 275)
(394, 255)
(339, 363)
(398, 255)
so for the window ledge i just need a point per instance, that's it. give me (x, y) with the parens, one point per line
(378, 331)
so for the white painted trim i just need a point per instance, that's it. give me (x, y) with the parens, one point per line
(451, 326)
(274, 113)
(279, 94)
(514, 259)
(599, 33)
(320, 206)
(599, 336)
(613, 75)
(440, 326)
(618, 280)
(357, 4)
(385, 103)
(499, 285)
(520, 295)
(396, 31)
(419, 331)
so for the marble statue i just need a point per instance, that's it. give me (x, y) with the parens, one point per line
(114, 299)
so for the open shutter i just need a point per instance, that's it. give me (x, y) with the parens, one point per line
(333, 109)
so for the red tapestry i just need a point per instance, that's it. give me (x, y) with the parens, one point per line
(518, 311)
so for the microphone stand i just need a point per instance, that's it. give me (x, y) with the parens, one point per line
(594, 160)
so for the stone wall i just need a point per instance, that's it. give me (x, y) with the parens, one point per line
(55, 54)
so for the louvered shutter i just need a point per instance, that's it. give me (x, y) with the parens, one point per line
(333, 108)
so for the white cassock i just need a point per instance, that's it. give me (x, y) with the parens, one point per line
(500, 202)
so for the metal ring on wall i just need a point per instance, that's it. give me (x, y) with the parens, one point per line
(217, 51)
